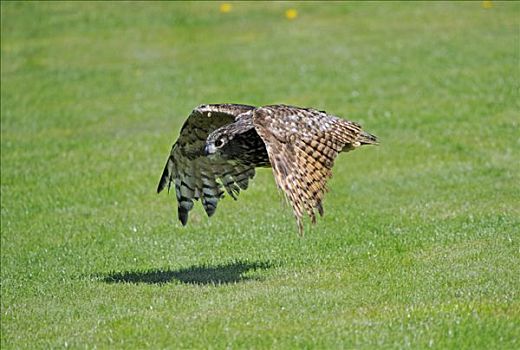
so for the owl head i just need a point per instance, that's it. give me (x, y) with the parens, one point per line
(217, 140)
(231, 140)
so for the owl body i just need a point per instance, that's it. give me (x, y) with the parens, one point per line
(221, 145)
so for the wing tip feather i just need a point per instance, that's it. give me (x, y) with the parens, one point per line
(166, 177)
(183, 215)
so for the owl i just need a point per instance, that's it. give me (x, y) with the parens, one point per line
(220, 145)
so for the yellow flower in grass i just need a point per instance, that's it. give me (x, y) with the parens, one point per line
(291, 14)
(487, 4)
(225, 7)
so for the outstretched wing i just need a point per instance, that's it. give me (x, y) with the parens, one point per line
(302, 145)
(196, 176)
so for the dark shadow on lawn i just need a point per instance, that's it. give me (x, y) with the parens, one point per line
(218, 274)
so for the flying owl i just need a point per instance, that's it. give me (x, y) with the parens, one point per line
(220, 145)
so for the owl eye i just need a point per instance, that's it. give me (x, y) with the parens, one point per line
(219, 143)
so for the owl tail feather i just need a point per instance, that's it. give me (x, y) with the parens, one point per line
(166, 177)
(366, 138)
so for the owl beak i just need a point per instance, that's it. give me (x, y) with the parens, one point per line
(209, 149)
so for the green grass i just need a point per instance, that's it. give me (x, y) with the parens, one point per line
(419, 246)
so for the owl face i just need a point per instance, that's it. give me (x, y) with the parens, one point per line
(215, 142)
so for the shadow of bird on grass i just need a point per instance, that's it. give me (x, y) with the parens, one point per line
(203, 274)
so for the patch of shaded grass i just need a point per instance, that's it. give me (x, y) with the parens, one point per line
(220, 274)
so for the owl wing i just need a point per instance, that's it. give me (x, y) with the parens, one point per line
(302, 145)
(196, 176)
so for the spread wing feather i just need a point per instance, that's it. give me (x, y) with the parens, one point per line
(302, 145)
(196, 176)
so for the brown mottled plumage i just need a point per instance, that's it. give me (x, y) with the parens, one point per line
(220, 146)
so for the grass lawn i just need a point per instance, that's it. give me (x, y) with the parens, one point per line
(420, 243)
